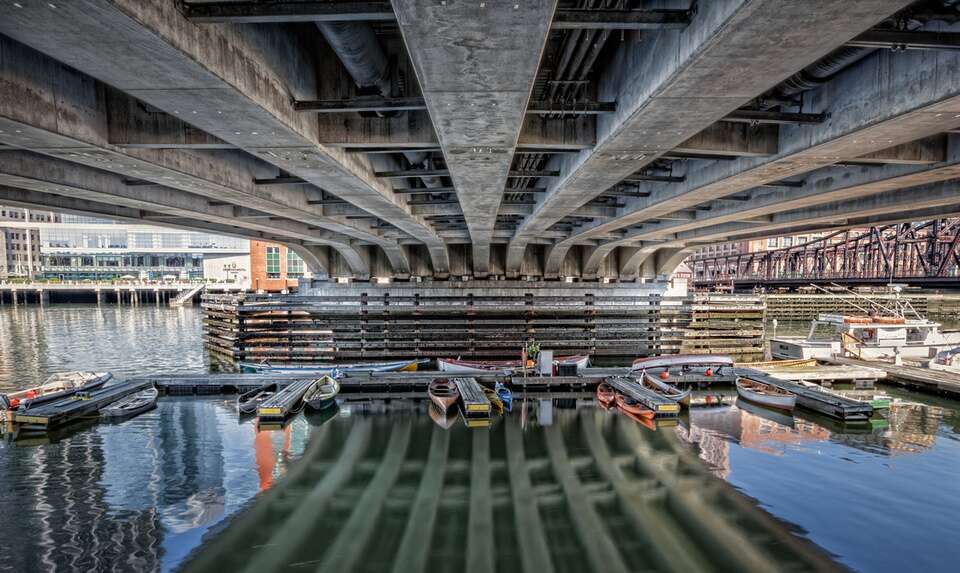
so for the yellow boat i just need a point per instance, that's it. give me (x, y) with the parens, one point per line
(771, 364)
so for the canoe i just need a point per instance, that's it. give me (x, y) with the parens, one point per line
(131, 406)
(678, 360)
(478, 366)
(666, 390)
(631, 406)
(606, 395)
(766, 395)
(443, 393)
(249, 402)
(328, 369)
(323, 394)
(505, 395)
(55, 387)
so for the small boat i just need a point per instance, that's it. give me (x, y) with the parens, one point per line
(478, 366)
(249, 402)
(329, 369)
(878, 401)
(132, 405)
(766, 394)
(631, 406)
(444, 419)
(505, 395)
(680, 360)
(495, 400)
(443, 393)
(56, 386)
(606, 395)
(778, 364)
(666, 390)
(323, 394)
(580, 361)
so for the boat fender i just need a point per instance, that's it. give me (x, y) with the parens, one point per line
(31, 394)
(709, 372)
(665, 375)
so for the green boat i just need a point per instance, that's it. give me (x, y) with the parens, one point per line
(323, 394)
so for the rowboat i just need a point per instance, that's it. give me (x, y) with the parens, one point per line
(323, 394)
(666, 390)
(443, 393)
(766, 394)
(130, 406)
(479, 366)
(631, 406)
(445, 419)
(249, 402)
(328, 369)
(505, 395)
(56, 386)
(606, 395)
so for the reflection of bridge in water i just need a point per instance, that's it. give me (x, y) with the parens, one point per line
(589, 491)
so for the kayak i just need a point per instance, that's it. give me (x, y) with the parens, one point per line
(329, 369)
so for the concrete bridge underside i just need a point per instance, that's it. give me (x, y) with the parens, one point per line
(542, 138)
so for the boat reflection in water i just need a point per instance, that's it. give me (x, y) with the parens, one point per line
(551, 486)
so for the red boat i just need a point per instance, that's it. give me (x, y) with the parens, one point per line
(606, 395)
(443, 393)
(631, 406)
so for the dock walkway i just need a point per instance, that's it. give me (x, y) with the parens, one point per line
(70, 408)
(475, 402)
(831, 405)
(936, 381)
(660, 405)
(285, 402)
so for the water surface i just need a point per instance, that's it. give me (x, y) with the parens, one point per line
(545, 486)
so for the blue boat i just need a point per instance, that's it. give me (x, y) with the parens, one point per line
(505, 395)
(329, 369)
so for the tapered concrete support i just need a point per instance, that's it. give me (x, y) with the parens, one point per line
(476, 63)
(634, 260)
(662, 102)
(317, 260)
(236, 83)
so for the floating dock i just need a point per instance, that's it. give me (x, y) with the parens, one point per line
(78, 406)
(926, 379)
(473, 398)
(832, 405)
(836, 374)
(660, 405)
(285, 402)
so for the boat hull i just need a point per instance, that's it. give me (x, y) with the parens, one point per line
(638, 410)
(131, 406)
(671, 361)
(471, 367)
(326, 370)
(443, 394)
(668, 391)
(779, 402)
(94, 380)
(323, 394)
(606, 395)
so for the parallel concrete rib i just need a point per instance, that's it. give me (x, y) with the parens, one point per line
(26, 170)
(826, 185)
(480, 547)
(922, 202)
(732, 51)
(476, 63)
(535, 556)
(234, 82)
(888, 99)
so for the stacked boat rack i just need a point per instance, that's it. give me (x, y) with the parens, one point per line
(651, 389)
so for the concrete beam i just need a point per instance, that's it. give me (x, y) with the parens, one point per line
(235, 82)
(880, 106)
(476, 64)
(828, 185)
(733, 139)
(34, 172)
(56, 111)
(662, 102)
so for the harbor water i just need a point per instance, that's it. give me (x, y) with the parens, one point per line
(557, 484)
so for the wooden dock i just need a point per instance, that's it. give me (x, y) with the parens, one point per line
(838, 373)
(475, 402)
(285, 402)
(660, 405)
(76, 407)
(831, 405)
(936, 381)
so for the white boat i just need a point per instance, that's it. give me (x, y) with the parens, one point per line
(57, 386)
(323, 394)
(947, 360)
(682, 360)
(581, 361)
(130, 406)
(666, 390)
(478, 366)
(329, 369)
(887, 330)
(766, 395)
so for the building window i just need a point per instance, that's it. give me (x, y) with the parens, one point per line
(294, 265)
(788, 241)
(273, 262)
(772, 242)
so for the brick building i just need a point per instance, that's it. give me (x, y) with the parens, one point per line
(273, 267)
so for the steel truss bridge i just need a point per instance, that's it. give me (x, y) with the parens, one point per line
(924, 254)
